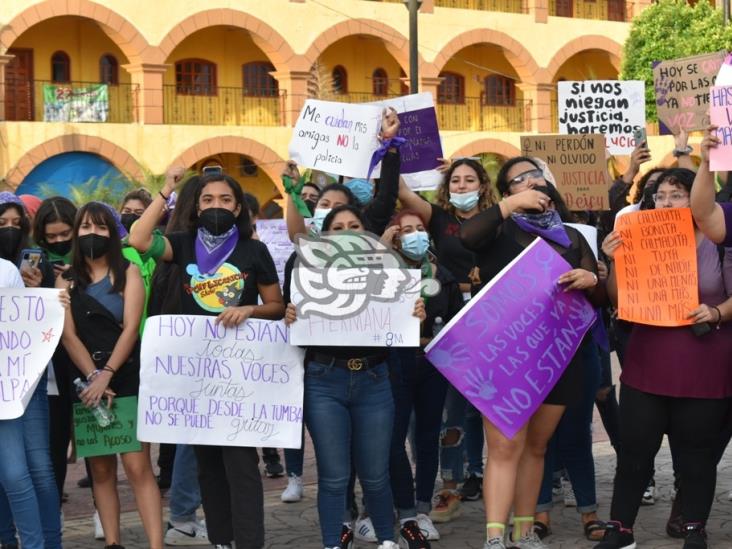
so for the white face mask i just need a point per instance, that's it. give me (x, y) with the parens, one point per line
(465, 201)
(319, 216)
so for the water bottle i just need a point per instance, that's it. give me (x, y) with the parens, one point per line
(437, 326)
(104, 416)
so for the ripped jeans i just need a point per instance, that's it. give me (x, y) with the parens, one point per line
(462, 418)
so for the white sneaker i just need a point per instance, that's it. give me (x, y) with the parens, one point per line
(569, 498)
(98, 530)
(364, 530)
(186, 533)
(293, 492)
(649, 495)
(428, 528)
(388, 545)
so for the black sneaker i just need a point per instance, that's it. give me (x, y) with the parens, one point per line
(84, 482)
(472, 489)
(114, 546)
(346, 537)
(411, 536)
(272, 465)
(695, 536)
(616, 537)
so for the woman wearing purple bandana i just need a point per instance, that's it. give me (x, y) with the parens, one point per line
(530, 208)
(224, 273)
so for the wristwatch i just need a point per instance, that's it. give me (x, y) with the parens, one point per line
(681, 152)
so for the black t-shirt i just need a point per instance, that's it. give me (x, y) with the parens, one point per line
(445, 231)
(233, 284)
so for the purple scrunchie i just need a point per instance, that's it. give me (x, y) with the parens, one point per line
(380, 153)
(7, 197)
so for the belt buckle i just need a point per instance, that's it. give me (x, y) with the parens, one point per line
(97, 355)
(355, 364)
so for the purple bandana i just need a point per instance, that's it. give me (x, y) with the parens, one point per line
(212, 250)
(547, 225)
(380, 153)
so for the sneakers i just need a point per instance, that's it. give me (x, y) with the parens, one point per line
(529, 541)
(84, 482)
(186, 533)
(695, 537)
(494, 543)
(388, 545)
(272, 465)
(428, 529)
(222, 546)
(293, 492)
(98, 530)
(411, 537)
(649, 496)
(446, 506)
(569, 499)
(616, 537)
(346, 537)
(364, 530)
(557, 491)
(472, 489)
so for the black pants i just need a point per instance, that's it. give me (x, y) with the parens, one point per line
(60, 415)
(232, 495)
(696, 427)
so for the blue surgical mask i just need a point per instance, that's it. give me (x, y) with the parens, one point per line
(415, 245)
(318, 217)
(465, 201)
(361, 189)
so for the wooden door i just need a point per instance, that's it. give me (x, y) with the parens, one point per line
(616, 10)
(19, 85)
(564, 8)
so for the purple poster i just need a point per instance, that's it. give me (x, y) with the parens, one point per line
(509, 346)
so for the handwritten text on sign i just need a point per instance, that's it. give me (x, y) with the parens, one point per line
(118, 438)
(656, 267)
(31, 322)
(201, 383)
(682, 90)
(578, 165)
(509, 346)
(339, 138)
(273, 232)
(720, 157)
(609, 107)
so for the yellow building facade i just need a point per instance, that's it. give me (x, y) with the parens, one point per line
(221, 81)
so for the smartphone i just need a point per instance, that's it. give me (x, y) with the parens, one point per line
(211, 170)
(640, 136)
(57, 263)
(31, 258)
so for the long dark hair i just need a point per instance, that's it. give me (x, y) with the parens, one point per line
(25, 227)
(56, 209)
(99, 214)
(243, 221)
(638, 194)
(485, 193)
(678, 177)
(184, 215)
(328, 221)
(341, 188)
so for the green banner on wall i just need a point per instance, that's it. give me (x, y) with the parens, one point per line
(63, 103)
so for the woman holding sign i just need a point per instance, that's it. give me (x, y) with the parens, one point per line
(224, 272)
(530, 209)
(666, 389)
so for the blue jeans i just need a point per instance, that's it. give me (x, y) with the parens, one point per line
(417, 386)
(185, 494)
(572, 441)
(349, 416)
(26, 476)
(294, 458)
(462, 416)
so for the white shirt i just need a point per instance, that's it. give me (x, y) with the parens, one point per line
(9, 275)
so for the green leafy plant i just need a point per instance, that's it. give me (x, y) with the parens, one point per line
(108, 188)
(671, 29)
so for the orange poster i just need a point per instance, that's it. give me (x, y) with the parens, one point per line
(656, 267)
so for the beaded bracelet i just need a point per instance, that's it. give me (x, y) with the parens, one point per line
(92, 375)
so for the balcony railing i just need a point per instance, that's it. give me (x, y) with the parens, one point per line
(474, 115)
(41, 100)
(226, 107)
(604, 10)
(509, 6)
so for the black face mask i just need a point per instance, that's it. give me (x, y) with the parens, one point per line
(93, 246)
(59, 248)
(9, 240)
(311, 206)
(128, 219)
(541, 189)
(216, 220)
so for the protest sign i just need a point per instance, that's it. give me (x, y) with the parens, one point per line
(120, 437)
(724, 77)
(590, 234)
(203, 383)
(682, 90)
(383, 320)
(63, 103)
(720, 157)
(656, 267)
(578, 165)
(339, 138)
(508, 347)
(273, 232)
(31, 323)
(613, 108)
(418, 125)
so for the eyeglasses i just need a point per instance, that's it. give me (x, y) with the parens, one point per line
(522, 178)
(674, 198)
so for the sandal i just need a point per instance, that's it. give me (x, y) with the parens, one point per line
(594, 530)
(541, 530)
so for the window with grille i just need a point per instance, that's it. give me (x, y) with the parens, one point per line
(195, 77)
(256, 80)
(451, 89)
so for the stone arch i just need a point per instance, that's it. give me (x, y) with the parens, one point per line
(116, 155)
(516, 54)
(265, 158)
(123, 33)
(584, 43)
(274, 46)
(395, 42)
(487, 145)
